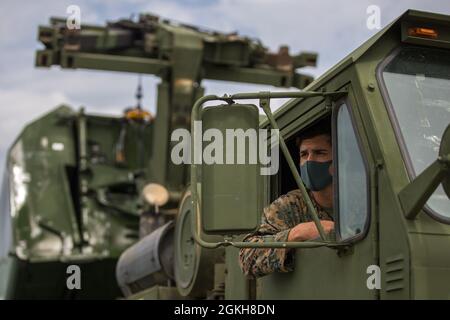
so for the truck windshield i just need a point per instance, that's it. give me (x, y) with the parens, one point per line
(417, 81)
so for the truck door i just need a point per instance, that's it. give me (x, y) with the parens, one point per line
(324, 273)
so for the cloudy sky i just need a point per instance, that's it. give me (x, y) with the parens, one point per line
(333, 28)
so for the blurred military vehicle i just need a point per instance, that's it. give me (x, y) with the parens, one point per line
(81, 188)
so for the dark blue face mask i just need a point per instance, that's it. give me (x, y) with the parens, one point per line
(316, 175)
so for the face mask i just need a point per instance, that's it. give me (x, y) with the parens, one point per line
(316, 175)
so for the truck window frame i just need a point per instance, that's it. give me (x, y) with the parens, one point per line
(345, 102)
(395, 125)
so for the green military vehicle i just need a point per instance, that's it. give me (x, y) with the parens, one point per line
(389, 106)
(78, 187)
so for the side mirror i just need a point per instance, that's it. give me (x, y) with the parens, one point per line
(416, 194)
(230, 180)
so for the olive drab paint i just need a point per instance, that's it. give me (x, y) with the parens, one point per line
(387, 242)
(388, 255)
(76, 179)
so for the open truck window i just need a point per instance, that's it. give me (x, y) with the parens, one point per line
(351, 183)
(417, 89)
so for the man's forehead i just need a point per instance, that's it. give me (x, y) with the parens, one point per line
(317, 142)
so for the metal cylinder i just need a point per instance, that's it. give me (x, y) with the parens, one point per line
(148, 262)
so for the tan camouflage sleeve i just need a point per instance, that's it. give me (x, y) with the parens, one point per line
(277, 220)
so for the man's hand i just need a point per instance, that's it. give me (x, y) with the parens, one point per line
(308, 231)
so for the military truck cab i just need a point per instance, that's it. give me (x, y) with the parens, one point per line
(389, 106)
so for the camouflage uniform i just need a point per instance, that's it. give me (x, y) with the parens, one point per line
(279, 217)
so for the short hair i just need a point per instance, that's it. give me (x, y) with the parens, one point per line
(323, 127)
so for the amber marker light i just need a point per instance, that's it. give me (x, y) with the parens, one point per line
(423, 32)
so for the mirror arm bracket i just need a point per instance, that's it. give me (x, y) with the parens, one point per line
(414, 196)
